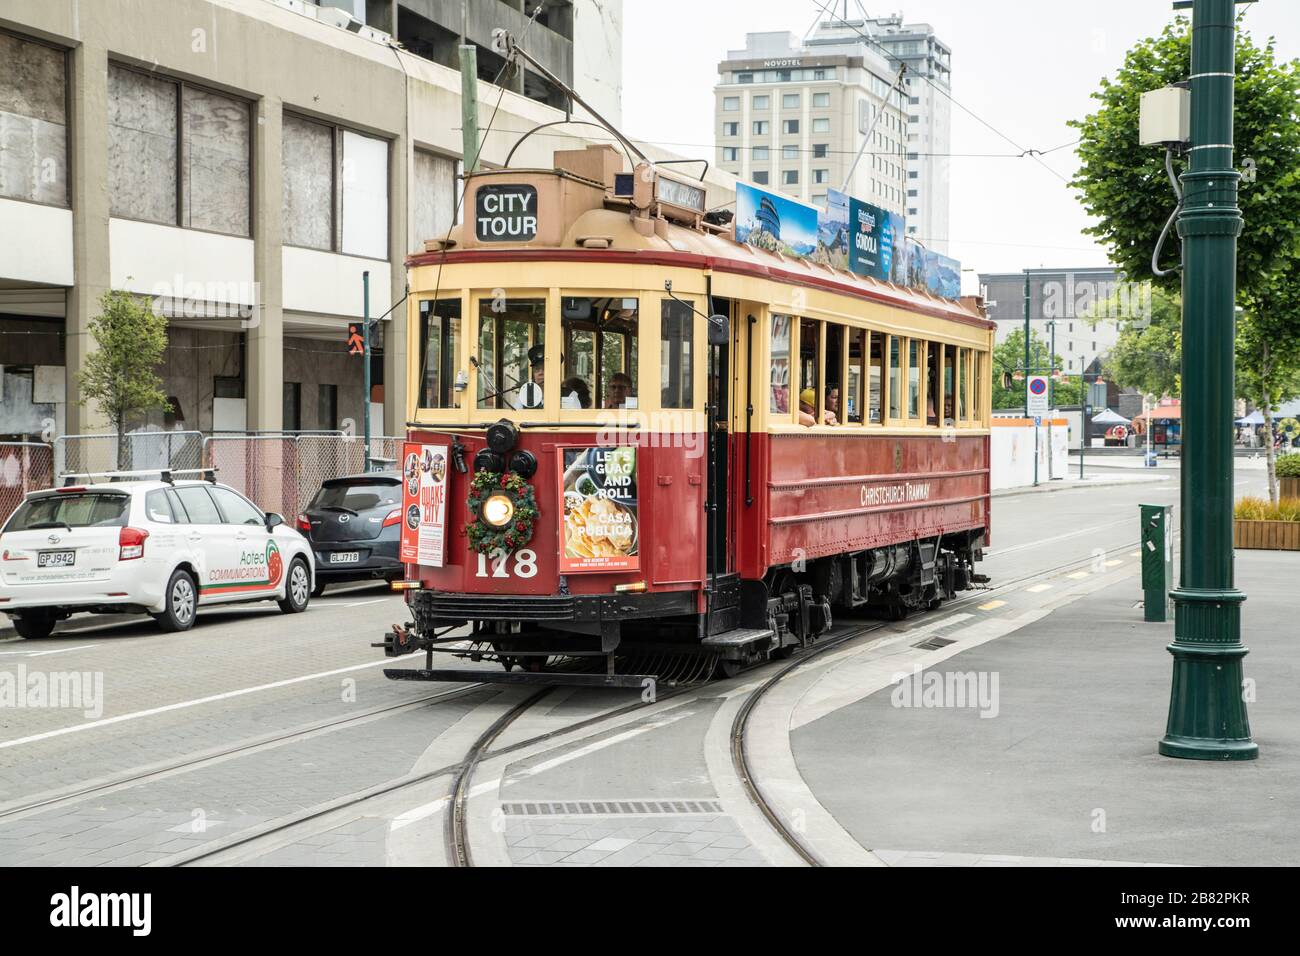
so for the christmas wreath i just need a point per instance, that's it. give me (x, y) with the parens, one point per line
(483, 537)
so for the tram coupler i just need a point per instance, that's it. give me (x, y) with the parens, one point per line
(397, 642)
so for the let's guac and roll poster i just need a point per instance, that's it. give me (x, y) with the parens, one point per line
(599, 509)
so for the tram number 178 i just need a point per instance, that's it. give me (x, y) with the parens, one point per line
(525, 564)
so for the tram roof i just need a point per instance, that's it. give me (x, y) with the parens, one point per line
(607, 230)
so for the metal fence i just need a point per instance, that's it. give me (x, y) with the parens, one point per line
(142, 451)
(24, 466)
(282, 473)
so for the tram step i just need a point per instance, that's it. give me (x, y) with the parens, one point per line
(737, 638)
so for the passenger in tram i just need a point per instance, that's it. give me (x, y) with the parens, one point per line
(537, 361)
(807, 407)
(618, 390)
(574, 393)
(831, 416)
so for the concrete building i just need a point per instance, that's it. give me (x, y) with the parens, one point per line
(242, 163)
(1085, 305)
(792, 117)
(852, 68)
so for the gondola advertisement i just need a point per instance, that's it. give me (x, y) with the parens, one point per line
(598, 502)
(424, 504)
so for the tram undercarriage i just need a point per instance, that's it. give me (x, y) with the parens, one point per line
(626, 640)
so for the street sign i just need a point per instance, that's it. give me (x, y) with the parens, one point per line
(1037, 403)
(356, 345)
(1038, 420)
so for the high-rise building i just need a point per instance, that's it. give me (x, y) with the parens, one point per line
(927, 81)
(875, 79)
(792, 117)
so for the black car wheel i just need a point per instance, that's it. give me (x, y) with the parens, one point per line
(182, 603)
(297, 590)
(34, 624)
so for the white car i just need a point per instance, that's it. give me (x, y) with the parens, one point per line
(163, 547)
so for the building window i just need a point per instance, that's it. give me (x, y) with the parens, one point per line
(744, 77)
(759, 152)
(911, 192)
(914, 100)
(821, 175)
(912, 212)
(914, 119)
(292, 408)
(33, 122)
(822, 125)
(434, 187)
(730, 129)
(913, 174)
(762, 103)
(790, 177)
(162, 133)
(821, 100)
(819, 74)
(789, 152)
(819, 200)
(730, 103)
(790, 127)
(790, 101)
(327, 168)
(821, 150)
(761, 127)
(730, 154)
(761, 177)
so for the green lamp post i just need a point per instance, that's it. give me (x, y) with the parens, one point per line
(1207, 712)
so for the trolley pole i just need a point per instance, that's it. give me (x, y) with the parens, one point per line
(365, 360)
(1207, 715)
(1083, 411)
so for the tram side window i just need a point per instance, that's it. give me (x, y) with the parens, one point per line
(439, 341)
(934, 382)
(676, 378)
(832, 414)
(949, 384)
(963, 383)
(876, 379)
(779, 379)
(858, 349)
(895, 377)
(976, 391)
(508, 330)
(914, 348)
(600, 352)
(808, 381)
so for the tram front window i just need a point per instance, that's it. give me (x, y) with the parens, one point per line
(509, 330)
(600, 352)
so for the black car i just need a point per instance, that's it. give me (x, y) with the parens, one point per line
(354, 524)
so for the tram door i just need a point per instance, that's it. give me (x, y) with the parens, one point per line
(718, 417)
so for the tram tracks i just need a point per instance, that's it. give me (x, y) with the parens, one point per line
(461, 773)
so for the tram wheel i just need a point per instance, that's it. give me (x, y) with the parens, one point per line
(728, 668)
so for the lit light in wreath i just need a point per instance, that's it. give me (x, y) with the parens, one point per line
(503, 512)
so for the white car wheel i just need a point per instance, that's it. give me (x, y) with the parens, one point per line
(182, 603)
(298, 588)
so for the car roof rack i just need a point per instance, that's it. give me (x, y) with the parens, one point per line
(163, 474)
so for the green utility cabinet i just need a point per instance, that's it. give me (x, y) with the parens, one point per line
(1157, 560)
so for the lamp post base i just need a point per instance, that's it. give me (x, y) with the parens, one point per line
(1207, 706)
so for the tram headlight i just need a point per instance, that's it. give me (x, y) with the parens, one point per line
(497, 510)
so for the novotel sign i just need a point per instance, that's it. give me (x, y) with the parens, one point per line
(505, 213)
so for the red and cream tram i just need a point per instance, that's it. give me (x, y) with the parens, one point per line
(628, 431)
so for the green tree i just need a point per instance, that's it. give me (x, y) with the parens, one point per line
(1148, 354)
(1126, 187)
(1124, 184)
(121, 375)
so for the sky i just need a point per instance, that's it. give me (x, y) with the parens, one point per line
(1025, 72)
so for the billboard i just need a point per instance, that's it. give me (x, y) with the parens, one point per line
(877, 236)
(773, 222)
(424, 504)
(833, 230)
(924, 269)
(598, 508)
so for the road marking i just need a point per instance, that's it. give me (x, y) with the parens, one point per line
(183, 705)
(992, 605)
(1078, 575)
(61, 650)
(364, 603)
(1059, 537)
(1039, 588)
(1136, 554)
(1113, 562)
